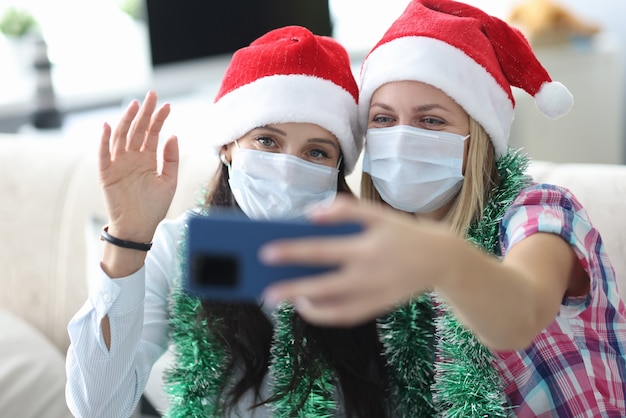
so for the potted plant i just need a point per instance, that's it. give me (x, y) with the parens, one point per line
(20, 29)
(17, 23)
(133, 8)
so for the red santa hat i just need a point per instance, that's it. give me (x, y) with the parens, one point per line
(289, 75)
(471, 56)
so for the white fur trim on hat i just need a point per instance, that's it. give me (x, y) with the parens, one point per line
(451, 70)
(284, 99)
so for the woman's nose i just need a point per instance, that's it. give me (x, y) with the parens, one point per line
(405, 120)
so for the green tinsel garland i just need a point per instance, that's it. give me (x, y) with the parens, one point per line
(314, 393)
(408, 337)
(460, 382)
(200, 358)
(466, 385)
(192, 394)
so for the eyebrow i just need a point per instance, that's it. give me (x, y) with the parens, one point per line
(325, 141)
(270, 128)
(421, 108)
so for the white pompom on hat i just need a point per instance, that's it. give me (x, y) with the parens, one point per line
(471, 56)
(289, 75)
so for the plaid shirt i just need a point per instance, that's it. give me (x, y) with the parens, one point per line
(576, 367)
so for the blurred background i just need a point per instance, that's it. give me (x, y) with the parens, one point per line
(67, 66)
(102, 53)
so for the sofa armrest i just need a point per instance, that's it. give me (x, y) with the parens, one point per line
(601, 188)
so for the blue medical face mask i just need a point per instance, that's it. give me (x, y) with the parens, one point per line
(414, 170)
(269, 185)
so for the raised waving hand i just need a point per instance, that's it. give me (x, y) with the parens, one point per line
(137, 194)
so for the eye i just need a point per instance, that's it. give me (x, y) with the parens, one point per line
(321, 153)
(265, 141)
(382, 120)
(318, 153)
(432, 122)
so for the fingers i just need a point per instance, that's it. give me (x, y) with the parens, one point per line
(328, 300)
(140, 126)
(325, 285)
(104, 152)
(332, 250)
(345, 209)
(327, 251)
(141, 123)
(346, 312)
(151, 142)
(171, 158)
(118, 143)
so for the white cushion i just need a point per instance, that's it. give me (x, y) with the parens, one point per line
(32, 372)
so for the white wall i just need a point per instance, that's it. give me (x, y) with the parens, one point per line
(361, 22)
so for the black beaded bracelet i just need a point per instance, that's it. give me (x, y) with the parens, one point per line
(140, 246)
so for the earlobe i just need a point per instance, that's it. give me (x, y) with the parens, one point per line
(223, 157)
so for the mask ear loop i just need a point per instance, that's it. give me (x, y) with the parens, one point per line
(223, 156)
(224, 160)
(339, 162)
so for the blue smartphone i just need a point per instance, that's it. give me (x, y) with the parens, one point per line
(222, 254)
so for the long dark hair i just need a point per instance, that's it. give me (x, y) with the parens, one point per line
(354, 353)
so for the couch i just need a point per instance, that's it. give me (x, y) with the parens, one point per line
(51, 210)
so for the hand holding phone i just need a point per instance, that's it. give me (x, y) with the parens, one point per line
(222, 254)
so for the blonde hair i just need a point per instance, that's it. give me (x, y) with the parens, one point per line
(481, 176)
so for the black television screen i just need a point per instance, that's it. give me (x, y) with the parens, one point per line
(185, 30)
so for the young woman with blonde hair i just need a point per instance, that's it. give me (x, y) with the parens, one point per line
(494, 295)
